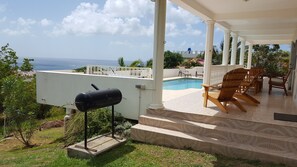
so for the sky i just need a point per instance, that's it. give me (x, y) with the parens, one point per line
(96, 29)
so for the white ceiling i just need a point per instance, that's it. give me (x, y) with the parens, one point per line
(257, 21)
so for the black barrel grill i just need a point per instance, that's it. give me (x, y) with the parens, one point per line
(97, 99)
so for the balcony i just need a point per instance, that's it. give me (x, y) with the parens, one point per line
(256, 134)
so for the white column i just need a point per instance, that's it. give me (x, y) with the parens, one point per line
(242, 51)
(225, 58)
(234, 48)
(158, 60)
(249, 61)
(208, 51)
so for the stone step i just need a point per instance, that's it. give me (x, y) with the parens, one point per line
(263, 140)
(259, 127)
(176, 139)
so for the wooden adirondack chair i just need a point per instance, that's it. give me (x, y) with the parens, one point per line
(257, 73)
(250, 80)
(279, 82)
(230, 84)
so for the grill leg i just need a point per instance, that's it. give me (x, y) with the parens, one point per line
(112, 121)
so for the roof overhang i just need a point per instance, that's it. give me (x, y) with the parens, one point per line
(256, 21)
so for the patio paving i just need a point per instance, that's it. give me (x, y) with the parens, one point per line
(191, 101)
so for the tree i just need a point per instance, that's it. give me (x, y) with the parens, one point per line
(137, 63)
(8, 66)
(200, 55)
(121, 62)
(149, 63)
(216, 56)
(20, 106)
(274, 60)
(172, 60)
(260, 55)
(8, 61)
(27, 66)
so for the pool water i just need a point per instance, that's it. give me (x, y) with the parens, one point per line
(183, 83)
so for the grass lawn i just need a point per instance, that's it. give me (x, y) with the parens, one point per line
(51, 152)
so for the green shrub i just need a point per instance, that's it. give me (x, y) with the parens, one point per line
(192, 63)
(43, 111)
(1, 119)
(123, 129)
(20, 107)
(81, 69)
(172, 60)
(56, 112)
(99, 122)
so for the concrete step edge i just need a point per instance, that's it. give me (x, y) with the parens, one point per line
(244, 124)
(198, 138)
(219, 128)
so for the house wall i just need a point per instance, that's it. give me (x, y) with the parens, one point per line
(61, 88)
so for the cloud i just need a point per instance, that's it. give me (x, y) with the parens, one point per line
(180, 22)
(45, 22)
(87, 18)
(128, 8)
(126, 17)
(15, 32)
(173, 30)
(18, 27)
(192, 31)
(178, 15)
(24, 22)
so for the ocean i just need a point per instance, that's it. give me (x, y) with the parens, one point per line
(65, 63)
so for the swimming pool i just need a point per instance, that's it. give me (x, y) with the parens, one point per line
(183, 83)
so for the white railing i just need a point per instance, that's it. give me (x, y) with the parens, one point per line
(138, 72)
(169, 73)
(135, 72)
(217, 72)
